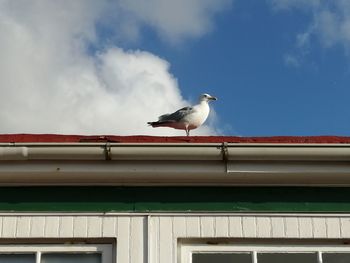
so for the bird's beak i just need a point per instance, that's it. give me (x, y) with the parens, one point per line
(213, 98)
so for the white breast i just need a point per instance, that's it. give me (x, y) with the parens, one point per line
(198, 117)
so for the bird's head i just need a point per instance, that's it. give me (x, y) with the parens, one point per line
(206, 97)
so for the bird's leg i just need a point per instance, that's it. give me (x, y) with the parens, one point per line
(187, 131)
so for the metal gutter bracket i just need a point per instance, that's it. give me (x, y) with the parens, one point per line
(224, 151)
(107, 151)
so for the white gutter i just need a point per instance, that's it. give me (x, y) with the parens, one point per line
(174, 164)
(176, 151)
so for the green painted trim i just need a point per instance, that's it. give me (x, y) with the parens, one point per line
(177, 199)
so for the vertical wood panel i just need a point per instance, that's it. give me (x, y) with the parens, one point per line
(277, 227)
(249, 226)
(333, 227)
(116, 226)
(345, 227)
(179, 226)
(166, 239)
(9, 224)
(179, 230)
(52, 225)
(192, 226)
(123, 239)
(108, 226)
(66, 226)
(137, 240)
(154, 239)
(292, 227)
(94, 226)
(80, 226)
(37, 226)
(23, 226)
(207, 226)
(263, 226)
(235, 226)
(319, 226)
(305, 227)
(221, 226)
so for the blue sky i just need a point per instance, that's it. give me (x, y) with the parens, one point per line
(278, 67)
(244, 61)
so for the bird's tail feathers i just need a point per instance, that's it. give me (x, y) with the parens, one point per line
(155, 124)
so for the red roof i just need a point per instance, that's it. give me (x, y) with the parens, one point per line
(56, 138)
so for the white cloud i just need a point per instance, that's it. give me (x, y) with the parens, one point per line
(303, 39)
(332, 25)
(288, 4)
(50, 83)
(291, 60)
(329, 24)
(173, 20)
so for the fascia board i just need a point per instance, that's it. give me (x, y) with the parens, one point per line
(197, 173)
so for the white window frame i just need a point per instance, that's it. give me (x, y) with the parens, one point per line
(38, 249)
(187, 250)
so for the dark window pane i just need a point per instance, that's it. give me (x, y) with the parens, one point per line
(71, 258)
(287, 258)
(336, 257)
(222, 258)
(17, 258)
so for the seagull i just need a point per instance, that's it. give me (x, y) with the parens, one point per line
(187, 118)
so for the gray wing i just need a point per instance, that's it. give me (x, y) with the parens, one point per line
(177, 115)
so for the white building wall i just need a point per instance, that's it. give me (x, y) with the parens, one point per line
(154, 238)
(127, 230)
(167, 230)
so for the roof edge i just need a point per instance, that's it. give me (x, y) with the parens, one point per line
(65, 138)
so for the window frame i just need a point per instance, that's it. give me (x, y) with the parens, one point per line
(106, 250)
(186, 250)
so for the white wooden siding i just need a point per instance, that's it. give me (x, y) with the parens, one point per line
(128, 230)
(167, 230)
(123, 243)
(153, 238)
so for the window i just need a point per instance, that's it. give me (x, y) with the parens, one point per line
(55, 253)
(272, 253)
